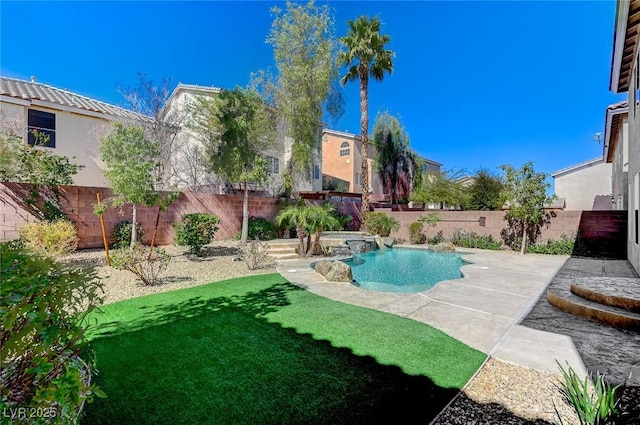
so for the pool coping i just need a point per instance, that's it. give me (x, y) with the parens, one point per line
(483, 309)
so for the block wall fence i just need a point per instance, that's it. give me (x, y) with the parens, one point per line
(78, 205)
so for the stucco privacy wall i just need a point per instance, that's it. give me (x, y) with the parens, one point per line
(566, 222)
(78, 205)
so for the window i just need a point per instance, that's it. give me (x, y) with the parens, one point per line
(273, 165)
(357, 179)
(44, 123)
(636, 78)
(344, 149)
(316, 172)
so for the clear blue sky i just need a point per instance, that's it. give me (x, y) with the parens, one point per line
(475, 83)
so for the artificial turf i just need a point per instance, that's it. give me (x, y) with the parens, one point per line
(258, 350)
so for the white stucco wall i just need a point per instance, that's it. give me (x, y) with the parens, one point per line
(633, 247)
(586, 188)
(77, 134)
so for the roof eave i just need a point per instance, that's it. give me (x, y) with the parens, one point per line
(619, 38)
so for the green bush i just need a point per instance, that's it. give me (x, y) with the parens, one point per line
(438, 238)
(379, 223)
(43, 306)
(416, 235)
(594, 404)
(121, 236)
(562, 247)
(470, 239)
(145, 262)
(50, 239)
(260, 228)
(196, 230)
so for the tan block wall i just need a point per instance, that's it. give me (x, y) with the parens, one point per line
(79, 201)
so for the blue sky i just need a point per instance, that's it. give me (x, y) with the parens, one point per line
(476, 84)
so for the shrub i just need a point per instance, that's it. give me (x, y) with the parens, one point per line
(562, 247)
(379, 223)
(471, 239)
(254, 254)
(438, 238)
(43, 306)
(196, 230)
(145, 262)
(51, 239)
(260, 228)
(416, 235)
(121, 236)
(597, 405)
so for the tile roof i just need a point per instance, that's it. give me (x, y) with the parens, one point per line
(28, 90)
(613, 120)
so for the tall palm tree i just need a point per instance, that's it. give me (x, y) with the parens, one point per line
(365, 56)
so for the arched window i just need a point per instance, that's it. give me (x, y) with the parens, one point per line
(344, 149)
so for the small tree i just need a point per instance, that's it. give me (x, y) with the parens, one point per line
(321, 218)
(236, 129)
(131, 160)
(485, 193)
(440, 188)
(525, 192)
(296, 215)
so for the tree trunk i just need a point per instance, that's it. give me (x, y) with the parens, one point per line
(134, 221)
(300, 232)
(524, 237)
(316, 248)
(245, 215)
(364, 129)
(155, 229)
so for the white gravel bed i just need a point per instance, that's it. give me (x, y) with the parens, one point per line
(184, 270)
(503, 393)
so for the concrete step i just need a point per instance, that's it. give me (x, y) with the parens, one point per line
(619, 292)
(563, 299)
(282, 249)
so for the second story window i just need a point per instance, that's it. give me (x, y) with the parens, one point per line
(316, 172)
(344, 149)
(44, 123)
(357, 183)
(273, 165)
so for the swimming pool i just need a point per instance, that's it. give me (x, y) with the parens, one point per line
(404, 270)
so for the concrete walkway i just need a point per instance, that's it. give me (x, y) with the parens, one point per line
(483, 309)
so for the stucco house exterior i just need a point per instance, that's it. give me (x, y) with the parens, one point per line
(342, 159)
(616, 152)
(585, 186)
(625, 78)
(74, 123)
(189, 170)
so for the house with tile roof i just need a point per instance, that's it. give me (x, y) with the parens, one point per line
(585, 186)
(74, 123)
(625, 78)
(190, 170)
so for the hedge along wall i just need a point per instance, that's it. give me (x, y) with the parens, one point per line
(78, 205)
(559, 222)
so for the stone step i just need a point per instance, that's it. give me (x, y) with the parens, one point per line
(620, 292)
(282, 249)
(278, 257)
(563, 299)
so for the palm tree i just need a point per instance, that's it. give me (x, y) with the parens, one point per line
(365, 56)
(321, 218)
(298, 216)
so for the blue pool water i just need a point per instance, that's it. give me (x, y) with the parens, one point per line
(404, 270)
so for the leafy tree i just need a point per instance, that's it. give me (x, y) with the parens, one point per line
(440, 188)
(396, 163)
(525, 191)
(365, 56)
(235, 129)
(131, 160)
(485, 192)
(161, 124)
(304, 91)
(296, 215)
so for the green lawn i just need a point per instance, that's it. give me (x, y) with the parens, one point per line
(259, 350)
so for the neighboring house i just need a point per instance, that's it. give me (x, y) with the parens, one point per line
(585, 186)
(625, 78)
(616, 152)
(74, 123)
(189, 167)
(342, 161)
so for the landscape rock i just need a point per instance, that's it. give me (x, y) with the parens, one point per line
(445, 247)
(335, 271)
(379, 242)
(389, 241)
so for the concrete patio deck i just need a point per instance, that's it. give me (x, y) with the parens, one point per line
(483, 309)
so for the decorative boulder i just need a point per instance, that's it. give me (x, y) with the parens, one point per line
(445, 247)
(389, 241)
(335, 271)
(380, 242)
